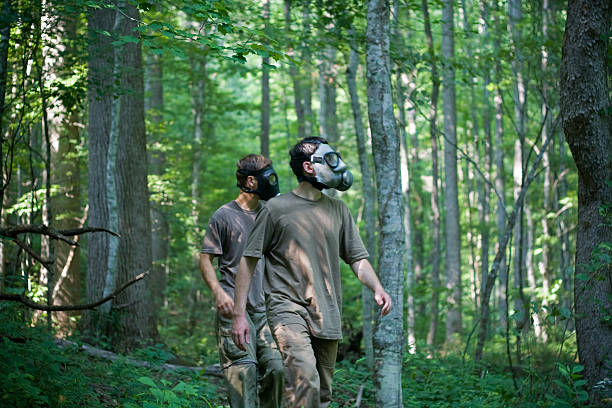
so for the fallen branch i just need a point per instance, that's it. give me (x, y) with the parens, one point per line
(64, 308)
(213, 370)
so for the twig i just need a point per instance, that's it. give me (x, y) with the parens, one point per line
(64, 308)
(359, 396)
(45, 262)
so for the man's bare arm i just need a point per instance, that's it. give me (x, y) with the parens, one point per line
(240, 328)
(365, 273)
(225, 304)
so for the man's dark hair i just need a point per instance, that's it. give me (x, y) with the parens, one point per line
(249, 164)
(302, 151)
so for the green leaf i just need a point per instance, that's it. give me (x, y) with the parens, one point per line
(582, 277)
(565, 312)
(147, 381)
(577, 368)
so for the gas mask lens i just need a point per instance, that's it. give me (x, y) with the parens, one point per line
(272, 179)
(331, 158)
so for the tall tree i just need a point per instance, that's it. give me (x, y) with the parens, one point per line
(136, 317)
(100, 101)
(519, 95)
(264, 137)
(398, 45)
(388, 334)
(451, 200)
(586, 122)
(435, 206)
(500, 175)
(60, 58)
(160, 228)
(368, 192)
(294, 74)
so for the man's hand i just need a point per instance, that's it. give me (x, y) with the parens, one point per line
(225, 304)
(240, 332)
(383, 299)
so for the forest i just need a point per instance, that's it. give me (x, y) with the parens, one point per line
(479, 135)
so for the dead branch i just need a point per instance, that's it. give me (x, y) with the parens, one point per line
(213, 370)
(13, 232)
(64, 308)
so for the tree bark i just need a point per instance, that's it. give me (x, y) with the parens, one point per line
(406, 181)
(388, 334)
(453, 240)
(306, 87)
(136, 314)
(65, 166)
(100, 97)
(160, 228)
(264, 137)
(500, 183)
(515, 15)
(368, 196)
(328, 118)
(294, 74)
(435, 206)
(585, 114)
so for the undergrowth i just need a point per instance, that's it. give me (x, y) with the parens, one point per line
(38, 373)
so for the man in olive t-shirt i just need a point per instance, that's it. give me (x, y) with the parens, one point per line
(302, 235)
(226, 236)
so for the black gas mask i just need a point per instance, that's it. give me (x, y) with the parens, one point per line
(267, 182)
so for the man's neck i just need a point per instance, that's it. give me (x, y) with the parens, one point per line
(307, 191)
(247, 201)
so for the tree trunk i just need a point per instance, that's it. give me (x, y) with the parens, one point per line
(520, 121)
(453, 240)
(388, 334)
(368, 196)
(485, 203)
(406, 183)
(328, 118)
(5, 35)
(100, 97)
(435, 206)
(306, 88)
(264, 137)
(294, 74)
(586, 123)
(500, 184)
(136, 315)
(65, 168)
(160, 228)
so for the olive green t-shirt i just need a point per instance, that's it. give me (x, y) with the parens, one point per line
(226, 236)
(302, 241)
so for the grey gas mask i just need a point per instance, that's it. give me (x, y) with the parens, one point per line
(330, 170)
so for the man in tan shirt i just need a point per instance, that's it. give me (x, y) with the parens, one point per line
(302, 235)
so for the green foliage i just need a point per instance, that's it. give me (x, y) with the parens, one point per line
(36, 373)
(571, 386)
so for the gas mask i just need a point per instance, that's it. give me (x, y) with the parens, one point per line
(330, 170)
(267, 182)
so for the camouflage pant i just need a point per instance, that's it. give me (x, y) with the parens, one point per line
(309, 362)
(260, 363)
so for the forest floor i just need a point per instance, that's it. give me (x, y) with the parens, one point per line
(39, 373)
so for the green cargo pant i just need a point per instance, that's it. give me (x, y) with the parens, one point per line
(309, 363)
(260, 364)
